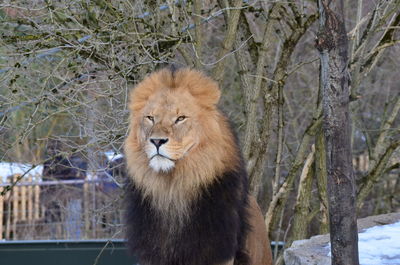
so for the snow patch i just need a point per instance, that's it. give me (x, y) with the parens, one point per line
(379, 245)
(8, 169)
(111, 155)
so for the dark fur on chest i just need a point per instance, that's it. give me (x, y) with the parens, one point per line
(214, 233)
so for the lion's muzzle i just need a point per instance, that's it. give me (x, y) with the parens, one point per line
(159, 158)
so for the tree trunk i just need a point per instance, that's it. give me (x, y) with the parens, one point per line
(332, 44)
(320, 173)
(302, 215)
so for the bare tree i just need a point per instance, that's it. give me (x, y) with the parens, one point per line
(333, 46)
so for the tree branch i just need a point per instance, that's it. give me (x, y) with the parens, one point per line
(229, 39)
(375, 173)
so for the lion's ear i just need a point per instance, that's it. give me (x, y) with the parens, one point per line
(148, 87)
(203, 88)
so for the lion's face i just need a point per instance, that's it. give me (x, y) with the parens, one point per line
(176, 131)
(169, 128)
(178, 140)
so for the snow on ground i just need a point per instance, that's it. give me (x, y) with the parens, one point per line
(379, 245)
(8, 169)
(111, 155)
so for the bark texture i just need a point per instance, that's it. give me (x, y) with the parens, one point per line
(332, 44)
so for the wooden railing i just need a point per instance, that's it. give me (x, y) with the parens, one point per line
(61, 209)
(22, 203)
(361, 162)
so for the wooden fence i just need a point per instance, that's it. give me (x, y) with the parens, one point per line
(21, 204)
(77, 209)
(361, 162)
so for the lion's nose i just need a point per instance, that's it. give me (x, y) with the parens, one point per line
(158, 142)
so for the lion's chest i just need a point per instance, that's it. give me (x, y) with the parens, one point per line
(210, 234)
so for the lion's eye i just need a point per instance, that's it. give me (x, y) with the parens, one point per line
(151, 118)
(180, 118)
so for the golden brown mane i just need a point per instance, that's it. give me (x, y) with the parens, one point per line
(204, 89)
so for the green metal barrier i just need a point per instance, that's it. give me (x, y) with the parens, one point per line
(65, 252)
(69, 252)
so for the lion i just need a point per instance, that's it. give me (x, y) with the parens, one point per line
(187, 199)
